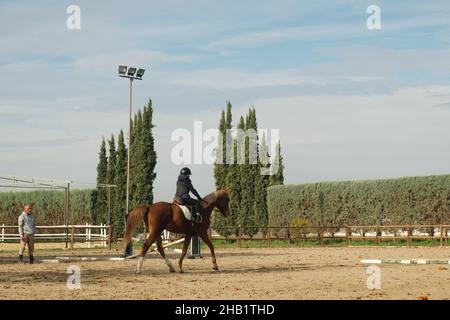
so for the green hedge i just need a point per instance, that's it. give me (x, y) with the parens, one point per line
(48, 206)
(410, 200)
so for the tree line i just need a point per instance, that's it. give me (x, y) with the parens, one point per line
(112, 170)
(246, 184)
(409, 200)
(48, 206)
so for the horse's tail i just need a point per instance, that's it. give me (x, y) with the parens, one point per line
(135, 217)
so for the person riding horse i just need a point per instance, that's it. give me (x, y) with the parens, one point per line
(184, 186)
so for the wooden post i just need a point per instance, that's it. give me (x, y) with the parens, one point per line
(240, 237)
(446, 235)
(72, 238)
(377, 237)
(268, 237)
(110, 236)
(441, 231)
(65, 215)
(347, 239)
(296, 236)
(321, 236)
(408, 235)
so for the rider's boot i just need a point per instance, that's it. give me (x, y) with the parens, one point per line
(198, 217)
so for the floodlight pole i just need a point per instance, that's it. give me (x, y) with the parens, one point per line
(129, 147)
(129, 248)
(129, 73)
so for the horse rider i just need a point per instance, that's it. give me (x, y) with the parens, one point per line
(184, 186)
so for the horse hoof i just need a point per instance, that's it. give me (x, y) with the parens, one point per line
(216, 268)
(181, 271)
(172, 270)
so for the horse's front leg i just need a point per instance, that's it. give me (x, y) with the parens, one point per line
(187, 240)
(205, 238)
(147, 244)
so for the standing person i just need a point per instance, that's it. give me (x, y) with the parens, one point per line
(27, 229)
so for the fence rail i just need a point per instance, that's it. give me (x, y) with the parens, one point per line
(68, 234)
(379, 233)
(305, 233)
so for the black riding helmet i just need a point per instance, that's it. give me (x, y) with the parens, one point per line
(185, 171)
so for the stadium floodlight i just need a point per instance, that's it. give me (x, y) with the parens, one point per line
(122, 70)
(131, 71)
(131, 74)
(140, 73)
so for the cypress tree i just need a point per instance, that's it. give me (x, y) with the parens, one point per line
(228, 127)
(278, 176)
(136, 162)
(219, 165)
(233, 183)
(111, 173)
(148, 156)
(120, 180)
(222, 168)
(246, 212)
(263, 180)
(101, 199)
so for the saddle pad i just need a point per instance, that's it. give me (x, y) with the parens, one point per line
(187, 213)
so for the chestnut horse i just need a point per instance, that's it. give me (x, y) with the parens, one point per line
(162, 216)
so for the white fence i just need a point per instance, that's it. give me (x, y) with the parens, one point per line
(87, 233)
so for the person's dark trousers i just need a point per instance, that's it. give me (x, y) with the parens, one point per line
(195, 204)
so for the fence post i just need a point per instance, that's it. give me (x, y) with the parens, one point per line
(321, 235)
(441, 231)
(90, 233)
(446, 235)
(347, 239)
(103, 234)
(377, 238)
(109, 237)
(85, 235)
(72, 238)
(296, 236)
(408, 236)
(3, 232)
(268, 237)
(240, 237)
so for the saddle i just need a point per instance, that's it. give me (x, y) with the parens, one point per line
(188, 210)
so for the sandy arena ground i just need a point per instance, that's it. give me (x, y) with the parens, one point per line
(303, 273)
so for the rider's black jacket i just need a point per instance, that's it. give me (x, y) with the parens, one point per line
(184, 186)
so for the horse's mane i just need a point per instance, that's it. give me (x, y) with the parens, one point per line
(212, 197)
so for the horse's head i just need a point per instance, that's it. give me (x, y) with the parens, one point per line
(223, 199)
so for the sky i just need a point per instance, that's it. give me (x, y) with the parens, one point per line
(349, 102)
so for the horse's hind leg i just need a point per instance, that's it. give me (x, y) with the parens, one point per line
(187, 240)
(147, 244)
(162, 253)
